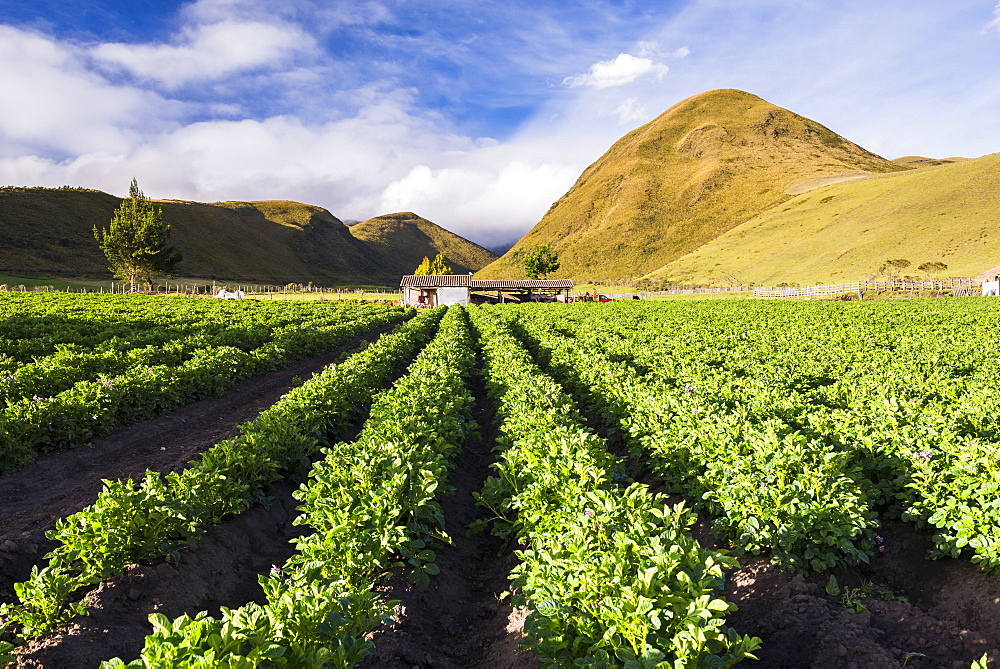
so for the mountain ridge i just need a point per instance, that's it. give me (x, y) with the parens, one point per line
(50, 230)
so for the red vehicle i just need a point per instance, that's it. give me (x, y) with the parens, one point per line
(604, 298)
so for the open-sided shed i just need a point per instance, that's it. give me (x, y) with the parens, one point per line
(446, 289)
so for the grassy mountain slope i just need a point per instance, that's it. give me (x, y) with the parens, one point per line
(44, 230)
(402, 240)
(701, 168)
(50, 230)
(845, 231)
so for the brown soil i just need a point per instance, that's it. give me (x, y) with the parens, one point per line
(458, 621)
(920, 613)
(220, 570)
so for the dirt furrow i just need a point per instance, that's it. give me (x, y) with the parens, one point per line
(61, 483)
(459, 621)
(220, 570)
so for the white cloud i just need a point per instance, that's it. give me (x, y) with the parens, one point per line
(623, 69)
(208, 52)
(682, 52)
(53, 105)
(492, 202)
(630, 110)
(995, 23)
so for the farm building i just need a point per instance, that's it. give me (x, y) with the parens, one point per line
(446, 289)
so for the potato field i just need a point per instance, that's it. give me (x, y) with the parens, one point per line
(202, 483)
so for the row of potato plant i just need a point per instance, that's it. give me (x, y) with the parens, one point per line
(609, 571)
(77, 337)
(55, 373)
(903, 390)
(907, 391)
(139, 521)
(91, 409)
(369, 503)
(37, 325)
(769, 488)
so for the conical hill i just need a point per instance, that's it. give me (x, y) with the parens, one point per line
(704, 166)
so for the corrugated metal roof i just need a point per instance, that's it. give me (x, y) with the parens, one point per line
(435, 281)
(464, 281)
(524, 283)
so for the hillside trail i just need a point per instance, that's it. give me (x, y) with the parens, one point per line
(458, 622)
(58, 484)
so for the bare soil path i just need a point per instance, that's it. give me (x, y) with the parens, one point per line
(917, 613)
(459, 622)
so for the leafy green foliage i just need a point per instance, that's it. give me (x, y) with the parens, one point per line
(800, 507)
(797, 425)
(156, 354)
(541, 262)
(364, 501)
(134, 522)
(135, 242)
(610, 572)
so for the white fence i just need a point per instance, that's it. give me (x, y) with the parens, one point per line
(959, 286)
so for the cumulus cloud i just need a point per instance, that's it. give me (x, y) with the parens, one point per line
(54, 106)
(386, 157)
(207, 51)
(623, 69)
(682, 52)
(492, 203)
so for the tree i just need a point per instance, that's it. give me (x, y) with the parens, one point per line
(424, 268)
(893, 268)
(439, 266)
(432, 267)
(541, 262)
(135, 242)
(932, 267)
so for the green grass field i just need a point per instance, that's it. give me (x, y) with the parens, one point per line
(846, 231)
(13, 282)
(331, 297)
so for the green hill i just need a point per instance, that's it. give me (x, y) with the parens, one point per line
(703, 167)
(402, 240)
(49, 231)
(845, 231)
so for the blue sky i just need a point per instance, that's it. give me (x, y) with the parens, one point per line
(475, 115)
